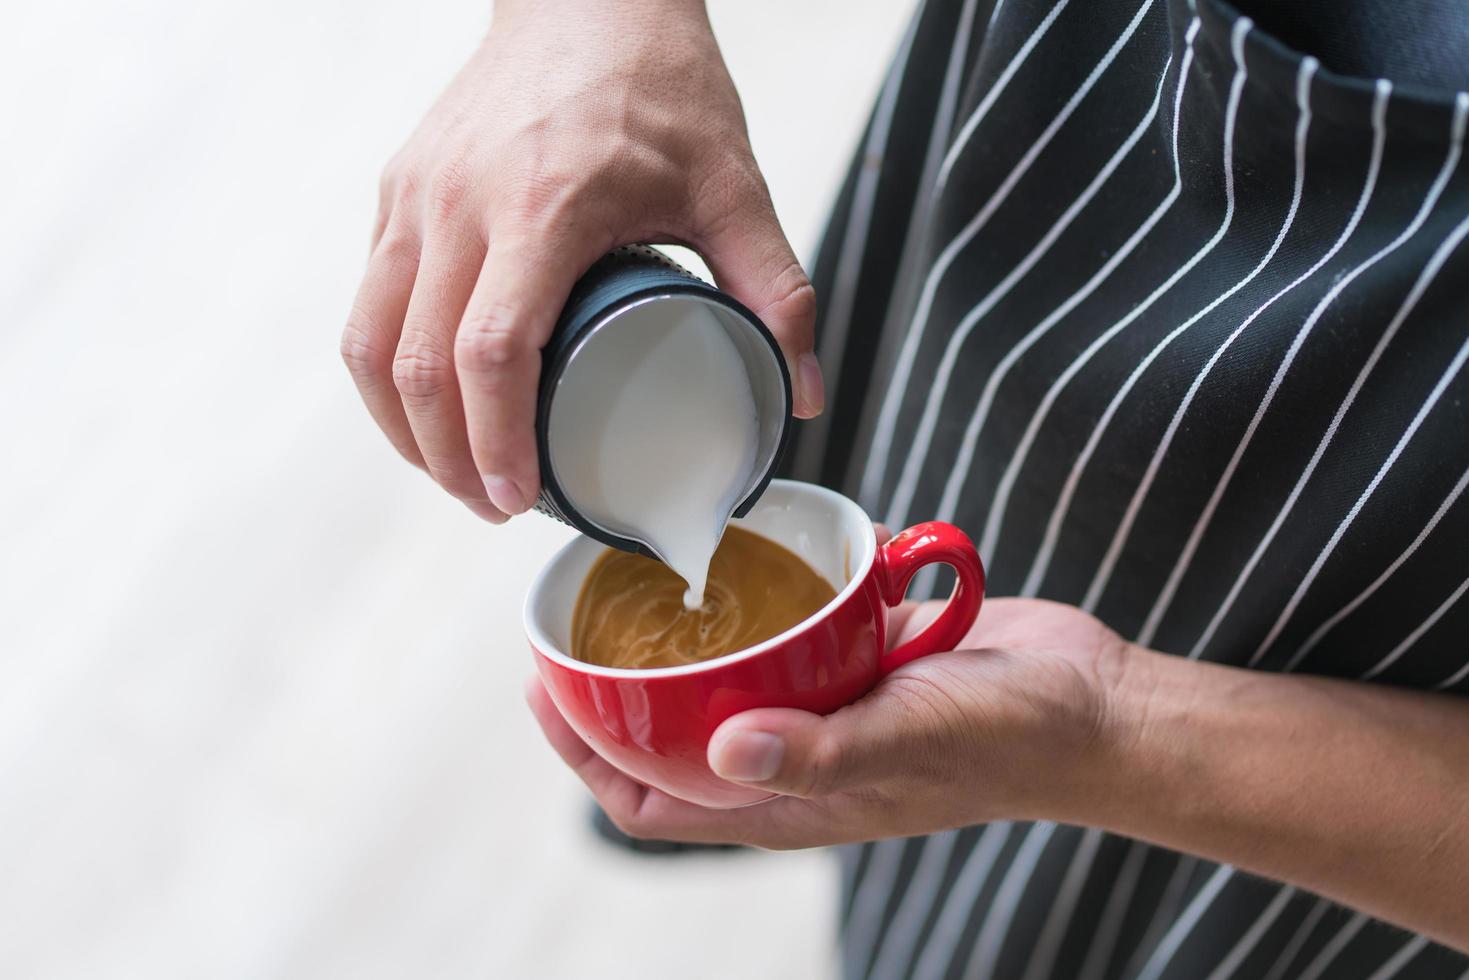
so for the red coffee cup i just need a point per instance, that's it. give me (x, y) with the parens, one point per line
(655, 724)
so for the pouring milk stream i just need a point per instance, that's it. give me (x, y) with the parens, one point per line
(655, 433)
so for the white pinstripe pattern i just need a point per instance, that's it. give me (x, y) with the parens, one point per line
(896, 951)
(1170, 588)
(913, 910)
(1427, 406)
(971, 434)
(1333, 948)
(908, 480)
(949, 95)
(1000, 503)
(938, 951)
(926, 197)
(1453, 678)
(842, 297)
(1185, 923)
(1042, 562)
(1429, 270)
(1252, 936)
(1109, 924)
(887, 418)
(1165, 911)
(1336, 290)
(1400, 959)
(1298, 939)
(1058, 919)
(996, 923)
(1387, 464)
(864, 924)
(1440, 256)
(1417, 633)
(1124, 529)
(990, 97)
(1387, 573)
(841, 309)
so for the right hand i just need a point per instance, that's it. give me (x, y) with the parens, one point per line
(577, 126)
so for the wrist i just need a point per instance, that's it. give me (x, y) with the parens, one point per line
(1109, 739)
(1164, 715)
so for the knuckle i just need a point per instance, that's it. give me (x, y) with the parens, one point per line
(421, 371)
(364, 357)
(401, 187)
(398, 248)
(397, 167)
(623, 161)
(533, 201)
(489, 340)
(449, 190)
(795, 300)
(615, 177)
(827, 765)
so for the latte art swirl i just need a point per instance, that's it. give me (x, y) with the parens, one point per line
(630, 612)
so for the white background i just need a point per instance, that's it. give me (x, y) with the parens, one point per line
(260, 682)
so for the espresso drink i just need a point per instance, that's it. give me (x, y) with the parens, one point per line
(631, 612)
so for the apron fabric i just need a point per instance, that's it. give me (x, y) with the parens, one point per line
(1172, 318)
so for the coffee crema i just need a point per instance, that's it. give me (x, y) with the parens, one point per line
(630, 611)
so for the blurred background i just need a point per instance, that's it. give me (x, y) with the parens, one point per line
(260, 681)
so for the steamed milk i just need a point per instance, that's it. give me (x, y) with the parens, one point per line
(654, 433)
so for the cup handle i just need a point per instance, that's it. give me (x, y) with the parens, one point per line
(901, 558)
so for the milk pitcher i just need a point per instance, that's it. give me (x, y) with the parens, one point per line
(606, 318)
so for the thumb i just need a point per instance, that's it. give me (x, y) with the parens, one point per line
(798, 753)
(752, 261)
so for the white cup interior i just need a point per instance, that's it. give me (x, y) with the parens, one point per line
(828, 531)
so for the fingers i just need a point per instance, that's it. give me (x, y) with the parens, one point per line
(648, 813)
(497, 354)
(372, 332)
(487, 510)
(900, 618)
(797, 753)
(613, 789)
(423, 367)
(379, 225)
(751, 259)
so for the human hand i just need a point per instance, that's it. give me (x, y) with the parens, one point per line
(1014, 725)
(574, 128)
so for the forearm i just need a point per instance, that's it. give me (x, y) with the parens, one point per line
(1356, 792)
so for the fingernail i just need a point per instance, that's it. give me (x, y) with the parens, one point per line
(505, 495)
(748, 757)
(812, 397)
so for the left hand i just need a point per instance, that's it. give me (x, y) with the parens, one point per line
(1013, 725)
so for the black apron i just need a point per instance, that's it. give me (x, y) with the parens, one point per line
(1173, 319)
